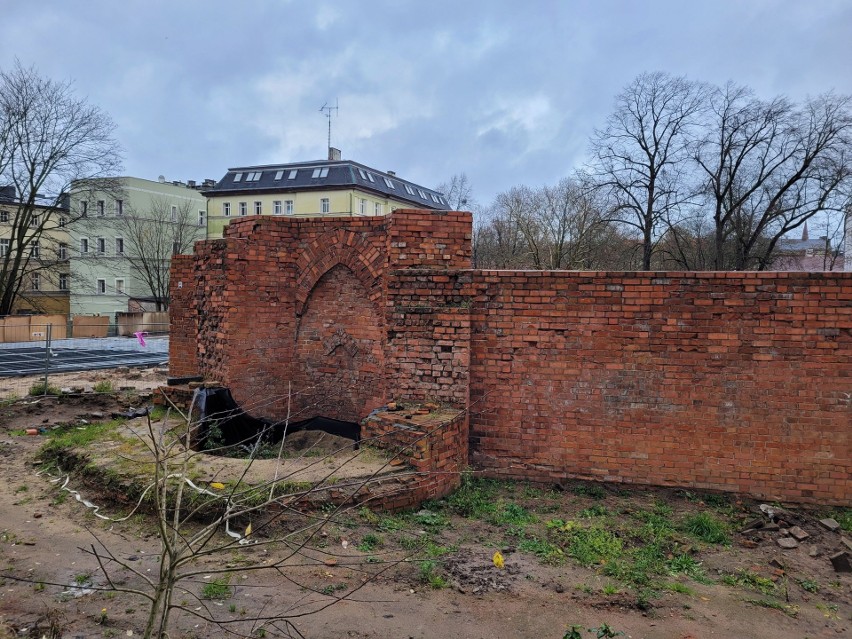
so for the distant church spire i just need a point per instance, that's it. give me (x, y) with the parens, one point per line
(805, 232)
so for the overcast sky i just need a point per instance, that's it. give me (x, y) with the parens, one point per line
(507, 92)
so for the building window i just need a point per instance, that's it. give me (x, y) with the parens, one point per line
(292, 174)
(226, 209)
(119, 207)
(101, 290)
(174, 213)
(62, 221)
(119, 246)
(63, 281)
(84, 208)
(378, 208)
(201, 215)
(35, 250)
(258, 208)
(101, 208)
(84, 245)
(63, 252)
(34, 221)
(119, 287)
(4, 248)
(243, 208)
(320, 173)
(276, 207)
(35, 281)
(254, 177)
(409, 190)
(101, 246)
(389, 183)
(238, 177)
(362, 206)
(325, 205)
(279, 175)
(288, 207)
(4, 216)
(422, 194)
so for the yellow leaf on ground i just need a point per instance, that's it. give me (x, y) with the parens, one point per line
(216, 485)
(497, 559)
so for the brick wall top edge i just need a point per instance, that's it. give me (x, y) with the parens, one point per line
(712, 275)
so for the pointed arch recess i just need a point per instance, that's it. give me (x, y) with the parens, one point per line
(365, 260)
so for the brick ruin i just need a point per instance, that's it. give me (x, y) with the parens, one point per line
(738, 382)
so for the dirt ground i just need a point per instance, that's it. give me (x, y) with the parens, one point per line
(426, 574)
(138, 379)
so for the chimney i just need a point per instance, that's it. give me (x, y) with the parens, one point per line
(190, 183)
(392, 173)
(333, 154)
(805, 233)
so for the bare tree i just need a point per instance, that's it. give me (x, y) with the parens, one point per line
(768, 167)
(639, 156)
(150, 236)
(458, 191)
(816, 179)
(48, 138)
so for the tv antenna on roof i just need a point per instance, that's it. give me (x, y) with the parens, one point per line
(326, 110)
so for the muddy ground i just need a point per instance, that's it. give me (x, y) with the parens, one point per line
(577, 554)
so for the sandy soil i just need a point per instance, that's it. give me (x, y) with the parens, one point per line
(43, 534)
(138, 379)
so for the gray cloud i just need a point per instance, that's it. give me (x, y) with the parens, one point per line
(507, 92)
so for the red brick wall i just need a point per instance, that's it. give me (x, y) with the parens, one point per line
(723, 381)
(727, 381)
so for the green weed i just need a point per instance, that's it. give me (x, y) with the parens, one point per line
(510, 514)
(809, 585)
(40, 388)
(546, 552)
(474, 498)
(598, 510)
(430, 576)
(216, 589)
(747, 579)
(370, 542)
(589, 490)
(594, 545)
(787, 609)
(686, 565)
(104, 386)
(707, 528)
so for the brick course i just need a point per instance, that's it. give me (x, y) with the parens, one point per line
(738, 382)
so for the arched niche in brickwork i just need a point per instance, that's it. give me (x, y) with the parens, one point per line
(339, 350)
(340, 247)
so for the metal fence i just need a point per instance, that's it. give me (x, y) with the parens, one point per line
(46, 355)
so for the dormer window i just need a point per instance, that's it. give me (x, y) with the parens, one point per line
(422, 194)
(320, 173)
(292, 175)
(409, 190)
(279, 175)
(254, 176)
(389, 183)
(238, 177)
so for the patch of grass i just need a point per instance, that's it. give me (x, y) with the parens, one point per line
(217, 589)
(430, 576)
(843, 517)
(610, 589)
(332, 588)
(39, 388)
(707, 528)
(598, 510)
(587, 489)
(370, 542)
(547, 552)
(83, 578)
(104, 386)
(430, 518)
(594, 545)
(748, 579)
(679, 588)
(77, 436)
(474, 499)
(684, 564)
(508, 513)
(788, 609)
(392, 523)
(808, 585)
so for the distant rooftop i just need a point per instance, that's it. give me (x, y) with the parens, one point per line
(325, 174)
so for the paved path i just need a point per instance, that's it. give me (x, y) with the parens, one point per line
(28, 358)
